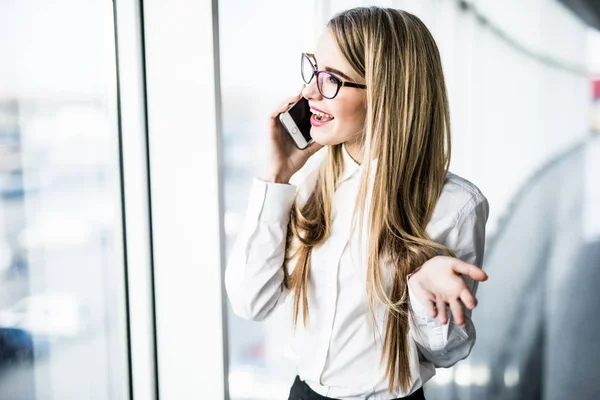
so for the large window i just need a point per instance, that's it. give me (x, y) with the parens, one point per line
(62, 310)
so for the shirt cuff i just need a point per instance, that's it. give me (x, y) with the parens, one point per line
(272, 202)
(437, 333)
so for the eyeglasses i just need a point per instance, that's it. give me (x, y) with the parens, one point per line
(327, 83)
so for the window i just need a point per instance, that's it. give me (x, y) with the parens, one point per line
(62, 310)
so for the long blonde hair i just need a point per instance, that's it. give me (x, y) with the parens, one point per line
(407, 129)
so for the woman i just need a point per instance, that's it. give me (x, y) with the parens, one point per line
(361, 234)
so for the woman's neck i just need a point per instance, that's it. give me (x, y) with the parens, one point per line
(354, 151)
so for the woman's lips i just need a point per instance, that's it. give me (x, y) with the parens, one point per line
(316, 109)
(318, 123)
(319, 117)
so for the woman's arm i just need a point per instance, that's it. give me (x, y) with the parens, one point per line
(254, 275)
(446, 344)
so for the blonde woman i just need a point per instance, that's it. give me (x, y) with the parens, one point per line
(360, 230)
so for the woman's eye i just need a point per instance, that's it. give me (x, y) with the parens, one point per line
(332, 80)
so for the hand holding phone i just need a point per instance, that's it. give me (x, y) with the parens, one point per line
(284, 155)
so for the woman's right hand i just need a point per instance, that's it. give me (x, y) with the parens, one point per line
(284, 159)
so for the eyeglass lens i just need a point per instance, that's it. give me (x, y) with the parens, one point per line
(327, 84)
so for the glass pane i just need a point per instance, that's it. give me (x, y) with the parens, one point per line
(62, 314)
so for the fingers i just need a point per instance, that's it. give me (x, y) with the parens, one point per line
(286, 105)
(458, 312)
(431, 309)
(468, 299)
(442, 312)
(472, 271)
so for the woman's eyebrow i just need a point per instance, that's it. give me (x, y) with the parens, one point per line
(334, 70)
(338, 72)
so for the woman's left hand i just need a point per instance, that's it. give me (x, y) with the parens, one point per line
(439, 285)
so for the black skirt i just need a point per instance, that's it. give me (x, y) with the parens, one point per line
(301, 391)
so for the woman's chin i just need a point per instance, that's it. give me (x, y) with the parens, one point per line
(322, 136)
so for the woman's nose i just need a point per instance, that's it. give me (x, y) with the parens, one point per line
(310, 91)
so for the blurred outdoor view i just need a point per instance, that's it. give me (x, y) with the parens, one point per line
(519, 75)
(62, 325)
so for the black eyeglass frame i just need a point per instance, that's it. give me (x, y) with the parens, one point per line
(340, 83)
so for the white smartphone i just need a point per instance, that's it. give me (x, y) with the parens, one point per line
(296, 122)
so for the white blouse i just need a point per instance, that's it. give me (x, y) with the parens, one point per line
(338, 353)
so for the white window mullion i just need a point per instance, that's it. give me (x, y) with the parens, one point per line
(182, 89)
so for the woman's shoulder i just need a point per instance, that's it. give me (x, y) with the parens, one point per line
(459, 196)
(460, 190)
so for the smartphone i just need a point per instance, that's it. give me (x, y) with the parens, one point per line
(296, 122)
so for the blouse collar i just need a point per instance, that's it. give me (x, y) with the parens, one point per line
(351, 167)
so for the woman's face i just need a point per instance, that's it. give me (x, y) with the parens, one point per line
(348, 108)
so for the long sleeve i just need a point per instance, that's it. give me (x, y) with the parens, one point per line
(445, 345)
(254, 275)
